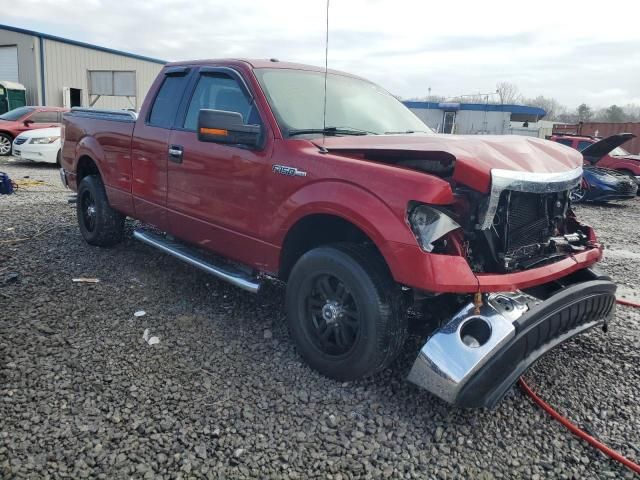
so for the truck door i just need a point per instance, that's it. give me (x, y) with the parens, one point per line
(149, 147)
(215, 191)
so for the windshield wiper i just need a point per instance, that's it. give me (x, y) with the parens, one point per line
(330, 131)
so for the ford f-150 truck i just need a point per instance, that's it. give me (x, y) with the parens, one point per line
(254, 169)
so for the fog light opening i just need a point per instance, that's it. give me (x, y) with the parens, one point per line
(475, 332)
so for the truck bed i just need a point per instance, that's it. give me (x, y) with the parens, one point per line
(103, 135)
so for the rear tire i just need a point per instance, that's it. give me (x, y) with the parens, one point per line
(99, 224)
(5, 144)
(345, 312)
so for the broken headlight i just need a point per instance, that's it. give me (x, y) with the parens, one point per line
(429, 224)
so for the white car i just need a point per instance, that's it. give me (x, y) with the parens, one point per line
(39, 145)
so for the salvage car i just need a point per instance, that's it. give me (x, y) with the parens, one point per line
(41, 145)
(611, 155)
(327, 182)
(604, 184)
(23, 119)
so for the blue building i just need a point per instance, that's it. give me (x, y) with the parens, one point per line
(477, 118)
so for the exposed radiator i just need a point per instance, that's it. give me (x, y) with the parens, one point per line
(527, 221)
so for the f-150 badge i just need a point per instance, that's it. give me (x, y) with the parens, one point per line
(288, 171)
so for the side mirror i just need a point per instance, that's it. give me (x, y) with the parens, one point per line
(27, 122)
(220, 126)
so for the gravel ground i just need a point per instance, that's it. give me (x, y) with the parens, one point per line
(224, 394)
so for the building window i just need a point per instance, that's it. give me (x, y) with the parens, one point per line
(111, 83)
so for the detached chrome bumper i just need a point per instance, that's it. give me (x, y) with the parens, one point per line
(473, 360)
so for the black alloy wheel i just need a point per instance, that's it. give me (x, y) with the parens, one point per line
(88, 209)
(344, 310)
(99, 224)
(333, 316)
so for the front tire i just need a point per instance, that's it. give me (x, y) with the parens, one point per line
(344, 311)
(5, 145)
(99, 224)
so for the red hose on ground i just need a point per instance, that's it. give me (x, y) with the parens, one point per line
(627, 303)
(577, 431)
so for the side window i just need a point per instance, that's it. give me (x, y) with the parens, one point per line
(565, 141)
(583, 144)
(45, 117)
(166, 102)
(219, 92)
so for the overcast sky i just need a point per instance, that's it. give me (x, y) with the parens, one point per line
(576, 52)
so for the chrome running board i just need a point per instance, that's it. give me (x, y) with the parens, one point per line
(189, 255)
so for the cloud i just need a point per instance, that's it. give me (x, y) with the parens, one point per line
(573, 54)
(608, 93)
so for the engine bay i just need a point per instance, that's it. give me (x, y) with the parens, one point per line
(528, 230)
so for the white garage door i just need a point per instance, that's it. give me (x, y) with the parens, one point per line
(9, 64)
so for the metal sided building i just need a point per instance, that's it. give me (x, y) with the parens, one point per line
(475, 118)
(59, 72)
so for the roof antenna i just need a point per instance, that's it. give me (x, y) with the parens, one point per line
(326, 65)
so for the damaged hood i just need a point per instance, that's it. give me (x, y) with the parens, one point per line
(475, 155)
(596, 151)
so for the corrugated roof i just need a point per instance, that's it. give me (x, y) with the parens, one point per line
(80, 44)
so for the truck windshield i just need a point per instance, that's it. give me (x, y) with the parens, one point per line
(16, 113)
(354, 106)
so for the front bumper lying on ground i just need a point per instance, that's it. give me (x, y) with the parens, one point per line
(475, 358)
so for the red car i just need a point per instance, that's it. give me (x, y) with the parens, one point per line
(16, 121)
(617, 159)
(327, 182)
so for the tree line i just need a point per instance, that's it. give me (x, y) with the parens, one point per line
(507, 93)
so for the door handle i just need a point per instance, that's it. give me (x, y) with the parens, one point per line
(175, 153)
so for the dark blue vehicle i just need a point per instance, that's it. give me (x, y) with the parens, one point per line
(603, 184)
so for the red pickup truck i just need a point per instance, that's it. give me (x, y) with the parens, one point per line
(253, 172)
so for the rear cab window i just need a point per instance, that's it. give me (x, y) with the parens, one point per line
(165, 105)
